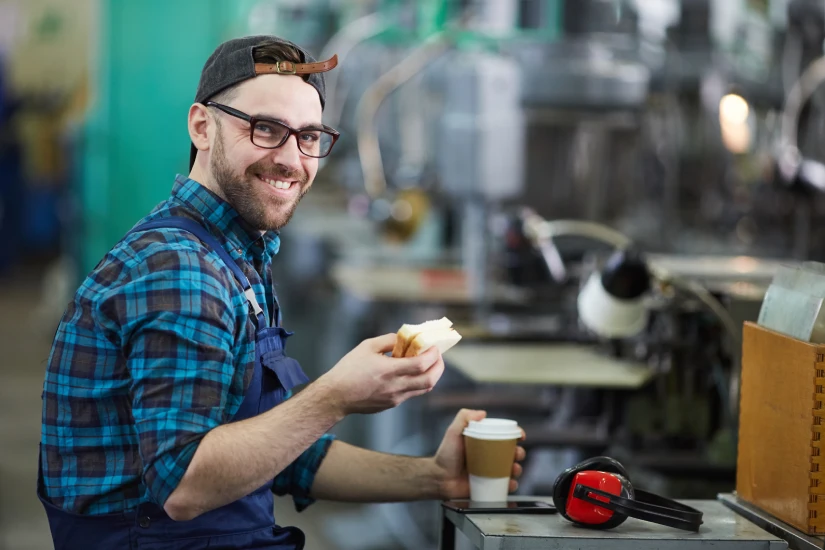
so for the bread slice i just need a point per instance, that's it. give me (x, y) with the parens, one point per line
(407, 333)
(442, 338)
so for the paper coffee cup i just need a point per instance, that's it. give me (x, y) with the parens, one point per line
(490, 451)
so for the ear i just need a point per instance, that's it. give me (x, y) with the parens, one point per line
(199, 126)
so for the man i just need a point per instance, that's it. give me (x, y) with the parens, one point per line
(166, 422)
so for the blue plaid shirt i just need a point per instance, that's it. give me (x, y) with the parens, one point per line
(156, 349)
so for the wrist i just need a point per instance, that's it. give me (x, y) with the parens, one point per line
(326, 397)
(437, 477)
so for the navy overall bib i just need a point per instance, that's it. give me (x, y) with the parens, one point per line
(244, 524)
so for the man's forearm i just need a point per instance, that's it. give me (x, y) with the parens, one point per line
(353, 474)
(235, 459)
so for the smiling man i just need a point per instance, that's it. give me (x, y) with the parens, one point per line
(167, 416)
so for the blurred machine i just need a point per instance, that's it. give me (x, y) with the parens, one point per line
(620, 176)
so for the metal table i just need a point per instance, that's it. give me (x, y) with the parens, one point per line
(722, 529)
(797, 540)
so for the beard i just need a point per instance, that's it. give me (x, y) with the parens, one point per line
(257, 207)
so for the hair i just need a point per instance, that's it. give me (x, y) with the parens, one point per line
(266, 52)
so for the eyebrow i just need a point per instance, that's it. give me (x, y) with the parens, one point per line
(272, 118)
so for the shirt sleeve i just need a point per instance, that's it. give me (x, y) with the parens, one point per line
(297, 478)
(177, 325)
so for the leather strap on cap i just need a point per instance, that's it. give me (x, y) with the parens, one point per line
(288, 67)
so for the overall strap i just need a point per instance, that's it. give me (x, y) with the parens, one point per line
(177, 222)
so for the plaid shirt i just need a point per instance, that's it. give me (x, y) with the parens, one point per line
(156, 349)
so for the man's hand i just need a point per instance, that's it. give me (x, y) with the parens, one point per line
(455, 481)
(368, 381)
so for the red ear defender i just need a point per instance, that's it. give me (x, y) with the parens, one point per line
(582, 511)
(597, 493)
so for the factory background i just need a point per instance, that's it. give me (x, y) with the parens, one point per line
(497, 157)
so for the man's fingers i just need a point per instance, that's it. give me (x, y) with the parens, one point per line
(426, 381)
(381, 344)
(517, 471)
(423, 384)
(462, 419)
(521, 454)
(513, 485)
(414, 366)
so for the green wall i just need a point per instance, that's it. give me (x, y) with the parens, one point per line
(135, 139)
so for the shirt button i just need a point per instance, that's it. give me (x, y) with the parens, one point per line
(144, 522)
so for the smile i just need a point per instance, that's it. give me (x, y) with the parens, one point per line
(279, 184)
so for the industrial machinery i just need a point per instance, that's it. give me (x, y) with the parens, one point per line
(581, 174)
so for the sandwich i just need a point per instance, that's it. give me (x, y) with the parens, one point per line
(416, 339)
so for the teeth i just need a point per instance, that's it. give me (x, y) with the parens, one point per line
(278, 184)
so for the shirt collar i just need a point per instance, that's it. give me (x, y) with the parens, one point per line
(241, 238)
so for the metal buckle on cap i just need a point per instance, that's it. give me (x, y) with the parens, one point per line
(281, 70)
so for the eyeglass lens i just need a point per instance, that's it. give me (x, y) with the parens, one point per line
(314, 143)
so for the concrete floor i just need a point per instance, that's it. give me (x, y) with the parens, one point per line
(25, 340)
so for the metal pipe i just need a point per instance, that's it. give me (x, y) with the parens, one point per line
(542, 233)
(538, 228)
(342, 43)
(475, 255)
(798, 96)
(369, 151)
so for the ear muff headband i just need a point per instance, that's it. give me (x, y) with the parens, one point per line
(646, 507)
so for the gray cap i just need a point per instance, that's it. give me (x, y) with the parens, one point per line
(232, 62)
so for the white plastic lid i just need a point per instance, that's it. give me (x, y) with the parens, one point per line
(493, 428)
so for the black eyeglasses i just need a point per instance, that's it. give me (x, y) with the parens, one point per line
(271, 134)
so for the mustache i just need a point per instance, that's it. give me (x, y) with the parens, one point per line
(277, 172)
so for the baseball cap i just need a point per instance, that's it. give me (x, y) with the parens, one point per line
(233, 62)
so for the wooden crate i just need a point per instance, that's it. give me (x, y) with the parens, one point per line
(780, 466)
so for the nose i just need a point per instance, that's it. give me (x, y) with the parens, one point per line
(288, 154)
